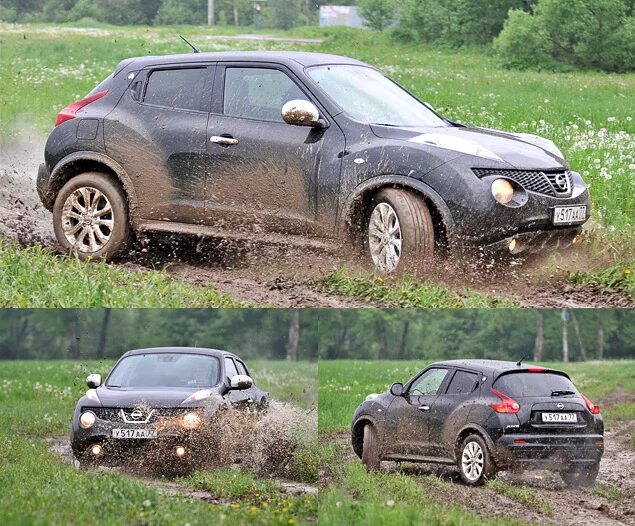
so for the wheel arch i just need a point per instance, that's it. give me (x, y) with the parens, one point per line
(349, 223)
(471, 429)
(81, 162)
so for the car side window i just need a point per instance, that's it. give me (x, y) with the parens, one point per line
(241, 368)
(258, 93)
(429, 382)
(181, 88)
(230, 368)
(463, 383)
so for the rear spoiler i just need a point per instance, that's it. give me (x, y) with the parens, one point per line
(532, 369)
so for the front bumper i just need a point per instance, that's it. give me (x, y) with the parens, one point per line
(554, 452)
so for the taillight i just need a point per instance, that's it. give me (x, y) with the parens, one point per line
(536, 369)
(507, 405)
(70, 112)
(594, 409)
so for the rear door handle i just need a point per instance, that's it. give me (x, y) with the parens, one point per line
(424, 408)
(223, 141)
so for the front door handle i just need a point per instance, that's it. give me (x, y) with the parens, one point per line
(223, 141)
(424, 408)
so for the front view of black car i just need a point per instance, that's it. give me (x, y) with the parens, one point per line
(160, 403)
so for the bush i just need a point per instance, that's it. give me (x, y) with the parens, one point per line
(377, 14)
(8, 14)
(595, 34)
(181, 12)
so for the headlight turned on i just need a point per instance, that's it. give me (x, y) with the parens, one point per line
(87, 420)
(191, 420)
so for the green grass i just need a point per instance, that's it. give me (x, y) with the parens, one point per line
(408, 292)
(33, 277)
(521, 495)
(608, 492)
(343, 385)
(37, 400)
(619, 277)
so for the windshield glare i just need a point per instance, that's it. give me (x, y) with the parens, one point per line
(195, 371)
(533, 385)
(372, 98)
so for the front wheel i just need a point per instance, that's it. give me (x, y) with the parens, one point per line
(399, 231)
(90, 216)
(581, 477)
(475, 463)
(370, 448)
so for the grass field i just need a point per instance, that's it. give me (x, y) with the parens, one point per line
(37, 400)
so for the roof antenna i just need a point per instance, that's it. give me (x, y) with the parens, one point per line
(196, 50)
(519, 361)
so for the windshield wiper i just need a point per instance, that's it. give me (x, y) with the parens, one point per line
(562, 393)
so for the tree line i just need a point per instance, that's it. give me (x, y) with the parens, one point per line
(306, 334)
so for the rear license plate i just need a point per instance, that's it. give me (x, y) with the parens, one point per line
(565, 215)
(559, 417)
(134, 433)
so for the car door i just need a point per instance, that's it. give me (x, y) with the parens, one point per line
(158, 133)
(412, 411)
(450, 410)
(237, 396)
(265, 175)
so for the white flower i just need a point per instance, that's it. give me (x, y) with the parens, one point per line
(147, 503)
(390, 503)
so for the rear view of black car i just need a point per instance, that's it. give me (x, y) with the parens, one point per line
(162, 405)
(484, 416)
(294, 145)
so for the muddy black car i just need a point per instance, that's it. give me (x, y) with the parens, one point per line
(161, 404)
(283, 146)
(484, 416)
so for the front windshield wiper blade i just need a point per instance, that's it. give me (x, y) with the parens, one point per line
(562, 393)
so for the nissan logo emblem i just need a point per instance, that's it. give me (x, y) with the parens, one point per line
(562, 182)
(136, 414)
(560, 405)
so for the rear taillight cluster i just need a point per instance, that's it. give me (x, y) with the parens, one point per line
(594, 409)
(506, 405)
(70, 112)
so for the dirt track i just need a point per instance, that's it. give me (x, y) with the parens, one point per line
(271, 274)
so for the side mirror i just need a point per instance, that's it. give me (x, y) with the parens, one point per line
(300, 113)
(240, 382)
(396, 389)
(93, 380)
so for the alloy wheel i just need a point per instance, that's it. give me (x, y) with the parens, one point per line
(472, 461)
(87, 219)
(384, 237)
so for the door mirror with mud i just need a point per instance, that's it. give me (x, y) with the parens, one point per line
(396, 389)
(300, 113)
(93, 380)
(240, 382)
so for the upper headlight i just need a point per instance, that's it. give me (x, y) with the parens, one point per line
(191, 420)
(87, 419)
(503, 191)
(541, 142)
(456, 144)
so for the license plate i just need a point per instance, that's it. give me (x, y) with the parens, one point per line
(134, 433)
(559, 417)
(565, 215)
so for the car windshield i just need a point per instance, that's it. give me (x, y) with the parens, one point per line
(166, 370)
(534, 385)
(372, 98)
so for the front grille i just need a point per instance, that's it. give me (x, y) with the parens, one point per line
(555, 183)
(113, 414)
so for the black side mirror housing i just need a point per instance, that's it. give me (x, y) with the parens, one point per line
(397, 389)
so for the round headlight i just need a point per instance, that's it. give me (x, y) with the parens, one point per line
(87, 419)
(191, 420)
(503, 191)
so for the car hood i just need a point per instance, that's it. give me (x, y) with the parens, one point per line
(513, 150)
(153, 397)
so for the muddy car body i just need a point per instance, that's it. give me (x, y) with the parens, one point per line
(290, 144)
(161, 403)
(484, 416)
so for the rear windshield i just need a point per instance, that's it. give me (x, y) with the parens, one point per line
(533, 385)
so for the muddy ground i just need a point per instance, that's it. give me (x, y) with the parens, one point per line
(276, 274)
(570, 507)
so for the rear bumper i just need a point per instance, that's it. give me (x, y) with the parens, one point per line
(43, 187)
(547, 451)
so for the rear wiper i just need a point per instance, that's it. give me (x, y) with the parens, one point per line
(561, 393)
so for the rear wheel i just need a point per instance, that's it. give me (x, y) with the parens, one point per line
(581, 477)
(475, 463)
(399, 231)
(90, 216)
(370, 448)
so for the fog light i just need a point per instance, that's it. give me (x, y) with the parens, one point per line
(96, 450)
(180, 451)
(575, 239)
(87, 419)
(503, 191)
(191, 420)
(512, 245)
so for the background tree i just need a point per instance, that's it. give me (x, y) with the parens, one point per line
(377, 14)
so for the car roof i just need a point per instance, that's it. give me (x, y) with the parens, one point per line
(282, 57)
(487, 366)
(185, 350)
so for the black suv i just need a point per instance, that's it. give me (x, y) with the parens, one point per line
(484, 416)
(161, 403)
(290, 145)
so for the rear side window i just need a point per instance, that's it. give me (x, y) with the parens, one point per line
(230, 368)
(463, 383)
(176, 88)
(533, 384)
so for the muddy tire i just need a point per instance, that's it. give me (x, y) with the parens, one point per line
(475, 462)
(582, 477)
(370, 448)
(399, 234)
(90, 217)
